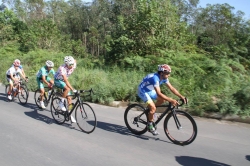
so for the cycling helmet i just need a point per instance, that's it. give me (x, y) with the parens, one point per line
(16, 62)
(164, 67)
(49, 64)
(69, 60)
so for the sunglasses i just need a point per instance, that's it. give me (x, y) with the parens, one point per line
(71, 64)
(166, 72)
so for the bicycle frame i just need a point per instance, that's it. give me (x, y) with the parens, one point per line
(78, 102)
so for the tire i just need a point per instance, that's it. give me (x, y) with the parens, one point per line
(135, 118)
(186, 134)
(85, 118)
(26, 88)
(23, 95)
(56, 113)
(37, 98)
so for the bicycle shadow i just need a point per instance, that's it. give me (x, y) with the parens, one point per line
(46, 119)
(248, 157)
(124, 131)
(3, 97)
(196, 161)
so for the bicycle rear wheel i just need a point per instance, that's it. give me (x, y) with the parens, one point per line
(180, 127)
(23, 95)
(37, 98)
(85, 118)
(136, 119)
(56, 112)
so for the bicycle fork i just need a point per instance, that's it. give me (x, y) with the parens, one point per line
(177, 122)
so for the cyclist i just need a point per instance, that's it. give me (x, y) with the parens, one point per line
(20, 66)
(61, 81)
(12, 76)
(149, 90)
(42, 77)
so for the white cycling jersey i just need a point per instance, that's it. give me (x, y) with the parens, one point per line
(64, 70)
(13, 71)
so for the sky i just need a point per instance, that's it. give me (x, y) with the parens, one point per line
(243, 5)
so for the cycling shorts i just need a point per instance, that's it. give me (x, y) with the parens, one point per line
(40, 82)
(147, 97)
(60, 84)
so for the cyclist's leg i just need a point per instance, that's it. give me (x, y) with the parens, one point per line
(40, 87)
(60, 84)
(147, 98)
(9, 80)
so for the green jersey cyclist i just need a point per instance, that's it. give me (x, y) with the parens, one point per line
(149, 90)
(43, 78)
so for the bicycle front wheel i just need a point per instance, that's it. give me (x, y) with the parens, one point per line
(136, 119)
(85, 118)
(180, 127)
(56, 112)
(23, 95)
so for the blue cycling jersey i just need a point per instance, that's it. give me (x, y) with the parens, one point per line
(150, 81)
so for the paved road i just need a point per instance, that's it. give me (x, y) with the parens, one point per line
(30, 137)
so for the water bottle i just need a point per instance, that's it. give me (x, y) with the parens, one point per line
(49, 92)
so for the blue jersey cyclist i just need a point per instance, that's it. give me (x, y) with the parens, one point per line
(149, 90)
(43, 78)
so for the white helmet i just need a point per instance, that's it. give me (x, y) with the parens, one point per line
(69, 60)
(164, 67)
(16, 62)
(49, 64)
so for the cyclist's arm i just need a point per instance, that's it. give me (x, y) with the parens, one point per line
(44, 80)
(23, 73)
(175, 91)
(164, 97)
(67, 82)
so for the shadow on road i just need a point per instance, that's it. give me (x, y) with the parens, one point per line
(3, 97)
(124, 131)
(248, 157)
(34, 114)
(196, 161)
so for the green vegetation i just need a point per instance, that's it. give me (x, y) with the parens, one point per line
(117, 43)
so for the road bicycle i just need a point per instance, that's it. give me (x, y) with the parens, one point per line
(49, 94)
(179, 126)
(18, 90)
(84, 114)
(22, 82)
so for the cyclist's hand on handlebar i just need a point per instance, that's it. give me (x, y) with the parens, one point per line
(184, 99)
(74, 90)
(174, 102)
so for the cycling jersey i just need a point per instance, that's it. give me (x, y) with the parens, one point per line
(44, 72)
(146, 89)
(64, 70)
(13, 71)
(150, 81)
(20, 66)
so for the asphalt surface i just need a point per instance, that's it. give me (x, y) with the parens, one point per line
(30, 136)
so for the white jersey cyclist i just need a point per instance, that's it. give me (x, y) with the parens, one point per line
(64, 70)
(13, 71)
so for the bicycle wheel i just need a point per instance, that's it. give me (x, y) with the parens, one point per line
(85, 118)
(26, 88)
(23, 95)
(186, 131)
(136, 119)
(56, 112)
(37, 98)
